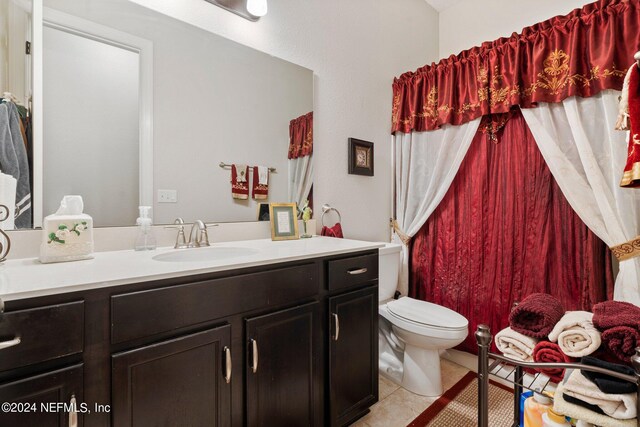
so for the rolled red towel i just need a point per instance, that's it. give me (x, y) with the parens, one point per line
(536, 315)
(622, 341)
(609, 314)
(549, 352)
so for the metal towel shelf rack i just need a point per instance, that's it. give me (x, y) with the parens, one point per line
(514, 368)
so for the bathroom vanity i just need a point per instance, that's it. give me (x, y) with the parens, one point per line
(285, 335)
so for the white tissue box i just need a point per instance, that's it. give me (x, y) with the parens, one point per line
(66, 238)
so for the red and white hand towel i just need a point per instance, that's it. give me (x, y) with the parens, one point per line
(631, 103)
(260, 182)
(239, 181)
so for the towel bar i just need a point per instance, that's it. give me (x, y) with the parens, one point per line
(224, 165)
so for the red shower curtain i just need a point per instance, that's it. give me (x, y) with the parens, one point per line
(503, 231)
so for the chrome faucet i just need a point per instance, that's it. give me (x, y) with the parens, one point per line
(201, 237)
(181, 240)
(198, 236)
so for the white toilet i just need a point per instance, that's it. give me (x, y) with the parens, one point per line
(413, 332)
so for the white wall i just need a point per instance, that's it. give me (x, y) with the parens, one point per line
(91, 126)
(468, 23)
(355, 49)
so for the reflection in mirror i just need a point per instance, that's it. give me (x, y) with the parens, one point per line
(15, 112)
(210, 101)
(91, 150)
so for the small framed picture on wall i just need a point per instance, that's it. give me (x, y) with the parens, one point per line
(360, 157)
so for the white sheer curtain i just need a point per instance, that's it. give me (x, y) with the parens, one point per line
(300, 179)
(425, 163)
(586, 157)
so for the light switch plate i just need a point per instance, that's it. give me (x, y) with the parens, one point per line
(167, 196)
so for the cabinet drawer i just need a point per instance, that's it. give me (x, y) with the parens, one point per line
(146, 313)
(347, 272)
(45, 333)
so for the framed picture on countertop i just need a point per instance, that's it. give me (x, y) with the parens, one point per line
(284, 221)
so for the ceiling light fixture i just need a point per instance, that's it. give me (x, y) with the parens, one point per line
(248, 9)
(257, 7)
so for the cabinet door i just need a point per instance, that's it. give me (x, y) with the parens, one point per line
(45, 400)
(180, 382)
(282, 368)
(353, 361)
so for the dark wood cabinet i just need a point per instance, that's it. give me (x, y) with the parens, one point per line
(255, 346)
(45, 400)
(353, 354)
(282, 373)
(180, 382)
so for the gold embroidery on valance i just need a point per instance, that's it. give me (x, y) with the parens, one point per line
(552, 80)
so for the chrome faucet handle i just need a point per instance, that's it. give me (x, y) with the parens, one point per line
(204, 237)
(181, 240)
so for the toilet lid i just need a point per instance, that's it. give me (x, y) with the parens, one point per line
(427, 313)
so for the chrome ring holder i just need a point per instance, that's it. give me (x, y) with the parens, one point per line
(5, 242)
(326, 209)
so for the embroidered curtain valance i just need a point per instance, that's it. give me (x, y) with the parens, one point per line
(301, 136)
(581, 54)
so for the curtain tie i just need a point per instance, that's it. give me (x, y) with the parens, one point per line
(628, 250)
(396, 228)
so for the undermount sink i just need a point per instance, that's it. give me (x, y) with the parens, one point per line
(204, 254)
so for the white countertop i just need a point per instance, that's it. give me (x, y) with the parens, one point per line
(28, 278)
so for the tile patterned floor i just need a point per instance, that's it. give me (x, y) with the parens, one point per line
(397, 407)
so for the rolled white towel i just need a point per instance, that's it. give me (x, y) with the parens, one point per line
(575, 334)
(578, 412)
(619, 406)
(515, 345)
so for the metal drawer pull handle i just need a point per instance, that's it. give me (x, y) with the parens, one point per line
(7, 344)
(73, 414)
(227, 364)
(337, 320)
(357, 271)
(254, 364)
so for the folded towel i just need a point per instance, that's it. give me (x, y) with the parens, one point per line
(8, 185)
(15, 162)
(575, 334)
(335, 231)
(239, 185)
(576, 401)
(515, 345)
(622, 341)
(561, 406)
(607, 383)
(536, 315)
(260, 182)
(609, 314)
(548, 352)
(620, 406)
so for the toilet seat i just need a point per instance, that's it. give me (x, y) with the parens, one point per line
(426, 314)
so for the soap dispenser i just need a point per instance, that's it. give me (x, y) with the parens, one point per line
(145, 241)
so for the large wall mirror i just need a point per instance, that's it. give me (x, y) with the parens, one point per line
(141, 109)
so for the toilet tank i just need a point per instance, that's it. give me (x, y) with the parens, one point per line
(389, 270)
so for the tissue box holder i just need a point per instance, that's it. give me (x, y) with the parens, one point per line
(66, 238)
